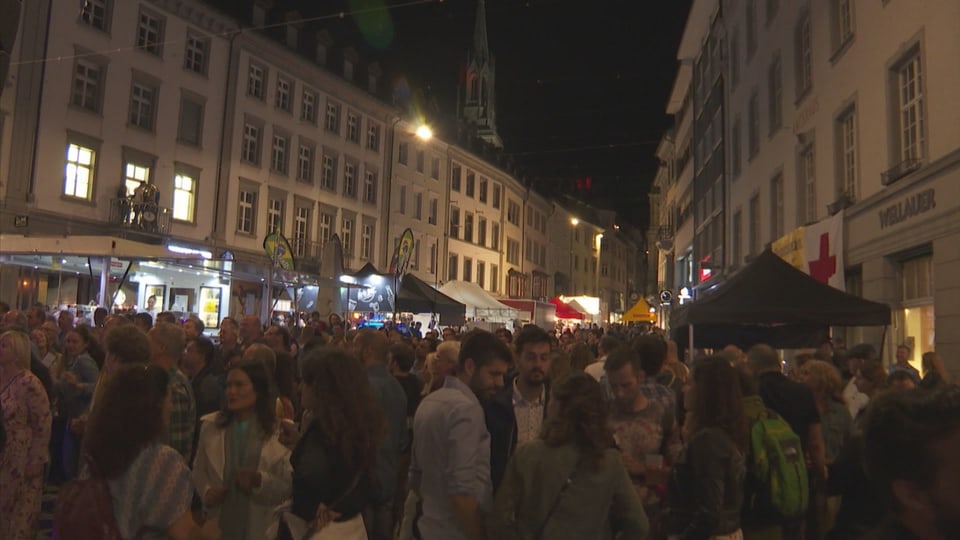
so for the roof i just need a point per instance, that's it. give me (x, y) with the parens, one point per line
(416, 296)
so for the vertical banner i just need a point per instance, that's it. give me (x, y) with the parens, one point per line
(823, 250)
(401, 258)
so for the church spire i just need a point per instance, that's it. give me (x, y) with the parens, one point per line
(479, 102)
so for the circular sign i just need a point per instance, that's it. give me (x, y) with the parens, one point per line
(666, 296)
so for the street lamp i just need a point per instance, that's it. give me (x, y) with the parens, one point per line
(424, 132)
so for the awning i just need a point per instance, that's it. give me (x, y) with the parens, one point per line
(478, 303)
(564, 311)
(416, 296)
(640, 312)
(99, 246)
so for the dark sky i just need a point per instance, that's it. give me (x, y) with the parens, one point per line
(581, 85)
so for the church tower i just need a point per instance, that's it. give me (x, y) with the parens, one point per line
(478, 103)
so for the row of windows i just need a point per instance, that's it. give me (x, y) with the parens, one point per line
(535, 252)
(403, 158)
(418, 206)
(471, 187)
(454, 269)
(258, 78)
(465, 231)
(537, 220)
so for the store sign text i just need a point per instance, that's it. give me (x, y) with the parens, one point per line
(912, 206)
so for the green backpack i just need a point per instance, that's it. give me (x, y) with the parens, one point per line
(778, 467)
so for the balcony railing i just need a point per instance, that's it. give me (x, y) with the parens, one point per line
(307, 250)
(140, 216)
(899, 170)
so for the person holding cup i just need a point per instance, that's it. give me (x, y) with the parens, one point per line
(241, 469)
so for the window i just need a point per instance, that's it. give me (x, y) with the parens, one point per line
(737, 238)
(278, 160)
(308, 108)
(452, 273)
(528, 250)
(483, 190)
(195, 56)
(366, 242)
(346, 230)
(353, 127)
(350, 179)
(496, 196)
(803, 45)
(88, 79)
(402, 153)
(751, 23)
(418, 206)
(910, 112)
(282, 99)
(79, 171)
(468, 227)
(403, 200)
(134, 174)
(513, 251)
(455, 173)
(467, 269)
(96, 13)
(373, 136)
(775, 85)
(755, 224)
(481, 274)
(184, 197)
(734, 58)
(328, 177)
(433, 258)
(305, 164)
(190, 127)
(471, 184)
(454, 222)
(753, 124)
(256, 77)
(435, 168)
(847, 152)
(432, 218)
(495, 236)
(482, 232)
(370, 186)
(842, 23)
(150, 33)
(246, 211)
(735, 147)
(326, 227)
(494, 278)
(513, 213)
(773, 6)
(251, 144)
(301, 231)
(808, 186)
(142, 105)
(776, 205)
(275, 215)
(333, 117)
(420, 161)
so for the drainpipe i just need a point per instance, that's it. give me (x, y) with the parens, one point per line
(36, 130)
(225, 139)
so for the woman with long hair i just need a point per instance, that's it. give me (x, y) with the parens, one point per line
(73, 392)
(705, 492)
(149, 483)
(50, 358)
(241, 470)
(934, 373)
(334, 460)
(26, 420)
(835, 421)
(570, 482)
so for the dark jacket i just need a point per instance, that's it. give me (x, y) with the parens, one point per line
(705, 491)
(502, 425)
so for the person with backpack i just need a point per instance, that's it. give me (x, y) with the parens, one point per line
(133, 486)
(705, 492)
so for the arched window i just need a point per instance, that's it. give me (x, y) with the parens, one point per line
(474, 87)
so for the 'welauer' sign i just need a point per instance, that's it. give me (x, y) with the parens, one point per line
(912, 206)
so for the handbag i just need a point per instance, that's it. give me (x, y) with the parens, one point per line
(555, 504)
(301, 529)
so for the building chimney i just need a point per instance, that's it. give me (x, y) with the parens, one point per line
(324, 42)
(259, 15)
(293, 27)
(350, 60)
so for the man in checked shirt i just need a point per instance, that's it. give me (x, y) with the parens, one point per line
(167, 343)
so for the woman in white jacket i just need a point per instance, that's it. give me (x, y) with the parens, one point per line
(241, 470)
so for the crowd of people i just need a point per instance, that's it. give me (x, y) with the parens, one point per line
(325, 431)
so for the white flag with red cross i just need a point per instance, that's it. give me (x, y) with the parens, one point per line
(823, 250)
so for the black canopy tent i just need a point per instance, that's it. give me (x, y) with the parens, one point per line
(416, 296)
(769, 301)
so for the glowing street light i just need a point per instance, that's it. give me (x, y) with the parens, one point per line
(424, 132)
(574, 221)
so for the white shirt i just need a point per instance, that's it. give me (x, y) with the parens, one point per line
(529, 414)
(854, 399)
(595, 369)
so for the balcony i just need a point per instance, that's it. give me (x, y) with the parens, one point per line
(140, 217)
(899, 170)
(305, 250)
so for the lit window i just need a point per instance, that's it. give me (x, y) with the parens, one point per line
(78, 176)
(133, 175)
(184, 197)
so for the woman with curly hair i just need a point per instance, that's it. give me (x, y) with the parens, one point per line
(571, 482)
(149, 482)
(334, 460)
(824, 380)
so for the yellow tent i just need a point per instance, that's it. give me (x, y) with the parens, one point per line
(640, 312)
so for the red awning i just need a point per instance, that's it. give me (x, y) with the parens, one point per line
(564, 311)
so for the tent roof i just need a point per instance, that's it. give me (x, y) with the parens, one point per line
(769, 291)
(564, 311)
(640, 312)
(367, 270)
(473, 296)
(417, 296)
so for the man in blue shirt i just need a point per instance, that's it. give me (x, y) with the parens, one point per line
(450, 465)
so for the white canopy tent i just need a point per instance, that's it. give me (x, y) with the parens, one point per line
(480, 305)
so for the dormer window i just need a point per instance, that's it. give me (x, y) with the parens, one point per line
(348, 70)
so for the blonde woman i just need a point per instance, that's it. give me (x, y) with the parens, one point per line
(824, 379)
(934, 373)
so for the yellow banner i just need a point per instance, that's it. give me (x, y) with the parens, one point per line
(790, 247)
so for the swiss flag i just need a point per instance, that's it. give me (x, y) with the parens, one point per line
(823, 250)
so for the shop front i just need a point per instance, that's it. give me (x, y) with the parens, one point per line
(903, 248)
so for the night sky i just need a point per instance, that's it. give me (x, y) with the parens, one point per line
(581, 86)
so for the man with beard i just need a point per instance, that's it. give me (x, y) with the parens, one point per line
(450, 462)
(912, 454)
(514, 415)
